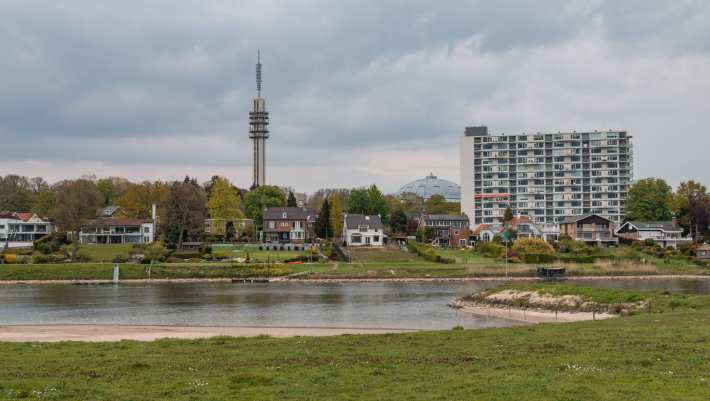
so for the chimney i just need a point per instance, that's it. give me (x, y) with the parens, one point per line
(153, 213)
(674, 220)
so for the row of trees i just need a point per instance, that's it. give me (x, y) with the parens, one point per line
(184, 205)
(652, 199)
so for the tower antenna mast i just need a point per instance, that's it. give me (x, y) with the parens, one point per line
(258, 73)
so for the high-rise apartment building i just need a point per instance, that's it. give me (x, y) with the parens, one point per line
(547, 176)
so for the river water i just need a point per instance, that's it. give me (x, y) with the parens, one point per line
(418, 305)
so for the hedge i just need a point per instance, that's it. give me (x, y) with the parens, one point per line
(428, 254)
(538, 258)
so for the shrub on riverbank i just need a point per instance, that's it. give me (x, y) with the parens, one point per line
(428, 253)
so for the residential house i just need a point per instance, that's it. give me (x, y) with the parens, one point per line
(115, 230)
(289, 225)
(663, 233)
(21, 229)
(703, 252)
(449, 230)
(590, 228)
(363, 230)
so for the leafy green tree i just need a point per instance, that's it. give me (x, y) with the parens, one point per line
(648, 200)
(336, 216)
(376, 203)
(77, 201)
(291, 201)
(508, 214)
(359, 201)
(224, 203)
(436, 204)
(323, 228)
(398, 222)
(185, 213)
(111, 188)
(259, 198)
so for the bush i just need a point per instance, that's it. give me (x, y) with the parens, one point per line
(578, 258)
(538, 258)
(649, 242)
(428, 253)
(491, 249)
(39, 258)
(10, 258)
(537, 246)
(186, 255)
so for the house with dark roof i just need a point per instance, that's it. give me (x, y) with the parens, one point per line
(112, 211)
(663, 233)
(590, 228)
(363, 230)
(295, 225)
(117, 230)
(449, 230)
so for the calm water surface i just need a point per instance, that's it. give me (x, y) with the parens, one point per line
(381, 305)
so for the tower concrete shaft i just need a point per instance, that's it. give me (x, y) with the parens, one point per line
(259, 131)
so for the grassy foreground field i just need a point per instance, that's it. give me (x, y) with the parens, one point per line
(645, 357)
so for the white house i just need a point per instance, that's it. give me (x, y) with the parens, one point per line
(21, 229)
(109, 230)
(664, 233)
(362, 230)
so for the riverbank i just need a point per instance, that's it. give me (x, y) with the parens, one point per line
(650, 357)
(118, 332)
(298, 279)
(531, 316)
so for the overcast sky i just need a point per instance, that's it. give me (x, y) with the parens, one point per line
(359, 92)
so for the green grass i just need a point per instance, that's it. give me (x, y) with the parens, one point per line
(97, 271)
(643, 357)
(379, 255)
(228, 251)
(98, 253)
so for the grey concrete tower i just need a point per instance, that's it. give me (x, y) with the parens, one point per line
(259, 130)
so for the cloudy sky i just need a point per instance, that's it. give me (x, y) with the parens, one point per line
(359, 92)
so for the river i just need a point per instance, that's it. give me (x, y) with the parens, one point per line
(395, 305)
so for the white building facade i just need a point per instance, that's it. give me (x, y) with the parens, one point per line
(117, 231)
(546, 176)
(363, 230)
(20, 230)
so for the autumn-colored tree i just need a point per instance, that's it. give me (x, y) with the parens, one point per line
(224, 204)
(691, 204)
(412, 203)
(44, 202)
(76, 202)
(138, 199)
(336, 216)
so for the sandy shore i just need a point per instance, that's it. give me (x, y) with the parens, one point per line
(114, 332)
(344, 280)
(532, 316)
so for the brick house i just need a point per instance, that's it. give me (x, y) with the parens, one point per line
(449, 230)
(590, 228)
(294, 225)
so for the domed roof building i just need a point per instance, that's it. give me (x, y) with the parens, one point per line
(431, 185)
